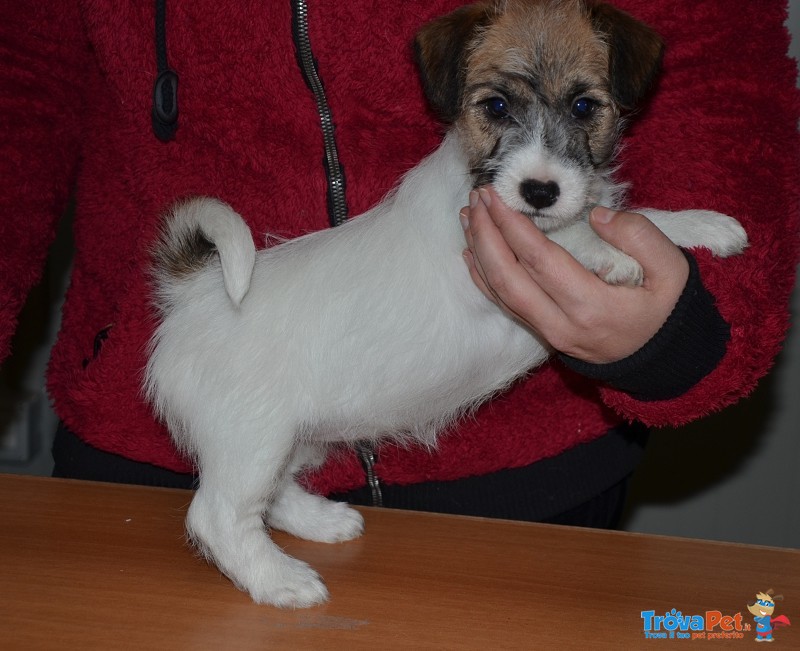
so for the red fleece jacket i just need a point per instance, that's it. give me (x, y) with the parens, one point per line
(77, 79)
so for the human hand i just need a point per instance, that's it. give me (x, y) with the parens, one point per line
(540, 284)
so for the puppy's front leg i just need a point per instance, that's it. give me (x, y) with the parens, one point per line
(721, 234)
(597, 255)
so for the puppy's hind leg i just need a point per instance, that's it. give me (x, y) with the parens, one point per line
(308, 516)
(225, 521)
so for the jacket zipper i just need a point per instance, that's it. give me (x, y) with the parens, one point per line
(337, 203)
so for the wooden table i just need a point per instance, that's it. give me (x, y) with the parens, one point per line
(101, 566)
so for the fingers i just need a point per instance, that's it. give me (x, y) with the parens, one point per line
(492, 250)
(507, 256)
(499, 236)
(470, 221)
(543, 286)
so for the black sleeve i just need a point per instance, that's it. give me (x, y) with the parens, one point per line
(688, 347)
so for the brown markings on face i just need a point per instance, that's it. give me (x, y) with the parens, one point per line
(539, 57)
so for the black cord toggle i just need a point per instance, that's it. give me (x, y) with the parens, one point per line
(165, 90)
(165, 105)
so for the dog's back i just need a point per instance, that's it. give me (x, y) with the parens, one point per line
(371, 329)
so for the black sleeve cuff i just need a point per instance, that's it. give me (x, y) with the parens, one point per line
(687, 347)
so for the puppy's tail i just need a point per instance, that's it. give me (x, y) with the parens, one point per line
(194, 231)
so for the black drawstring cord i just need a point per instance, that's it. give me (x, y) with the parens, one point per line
(165, 90)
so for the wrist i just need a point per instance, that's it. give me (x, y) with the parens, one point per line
(686, 348)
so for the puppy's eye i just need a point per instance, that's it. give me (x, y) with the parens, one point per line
(496, 108)
(583, 108)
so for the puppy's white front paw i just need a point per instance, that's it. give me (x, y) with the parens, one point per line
(720, 234)
(612, 265)
(286, 582)
(598, 256)
(623, 271)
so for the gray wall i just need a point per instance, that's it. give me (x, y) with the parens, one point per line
(734, 476)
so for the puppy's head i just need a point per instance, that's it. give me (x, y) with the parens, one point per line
(535, 90)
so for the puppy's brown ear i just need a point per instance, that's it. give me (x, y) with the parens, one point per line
(635, 53)
(441, 47)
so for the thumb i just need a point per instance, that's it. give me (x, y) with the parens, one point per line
(637, 236)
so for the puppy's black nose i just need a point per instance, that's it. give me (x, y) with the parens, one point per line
(539, 195)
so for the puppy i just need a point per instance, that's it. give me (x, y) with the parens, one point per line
(261, 359)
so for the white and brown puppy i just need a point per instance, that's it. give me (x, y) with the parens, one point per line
(261, 360)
